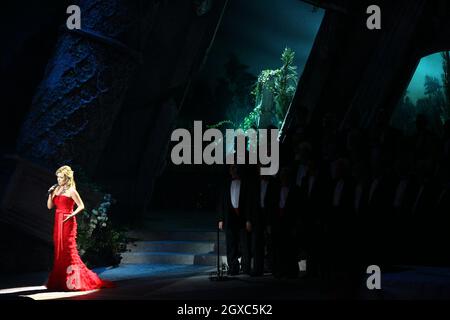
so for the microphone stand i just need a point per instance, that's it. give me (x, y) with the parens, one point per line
(219, 275)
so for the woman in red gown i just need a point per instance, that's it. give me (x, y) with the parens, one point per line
(69, 273)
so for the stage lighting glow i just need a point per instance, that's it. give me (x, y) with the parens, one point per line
(44, 294)
(22, 289)
(58, 295)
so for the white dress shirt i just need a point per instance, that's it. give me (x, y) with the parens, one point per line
(442, 196)
(301, 172)
(419, 195)
(283, 196)
(373, 187)
(338, 193)
(235, 189)
(264, 184)
(311, 182)
(358, 196)
(400, 193)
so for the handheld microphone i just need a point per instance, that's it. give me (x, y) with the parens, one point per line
(52, 188)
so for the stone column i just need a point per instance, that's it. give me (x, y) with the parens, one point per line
(84, 84)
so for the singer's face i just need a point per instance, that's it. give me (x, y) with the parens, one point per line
(61, 179)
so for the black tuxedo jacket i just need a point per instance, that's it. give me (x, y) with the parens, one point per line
(258, 215)
(226, 212)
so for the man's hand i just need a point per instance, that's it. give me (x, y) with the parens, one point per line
(220, 225)
(248, 226)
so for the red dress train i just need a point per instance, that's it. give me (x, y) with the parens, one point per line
(69, 273)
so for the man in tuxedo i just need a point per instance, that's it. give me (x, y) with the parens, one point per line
(380, 211)
(339, 233)
(284, 226)
(234, 219)
(310, 220)
(422, 214)
(441, 238)
(261, 204)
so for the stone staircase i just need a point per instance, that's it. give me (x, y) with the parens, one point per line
(175, 247)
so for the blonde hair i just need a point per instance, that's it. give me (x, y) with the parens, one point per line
(68, 173)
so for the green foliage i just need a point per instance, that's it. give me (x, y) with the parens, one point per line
(404, 115)
(99, 242)
(432, 105)
(432, 86)
(281, 82)
(265, 81)
(220, 124)
(251, 120)
(285, 84)
(233, 91)
(446, 81)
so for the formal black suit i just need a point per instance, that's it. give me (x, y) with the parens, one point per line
(260, 218)
(237, 237)
(380, 203)
(380, 212)
(284, 222)
(441, 239)
(424, 222)
(339, 220)
(311, 221)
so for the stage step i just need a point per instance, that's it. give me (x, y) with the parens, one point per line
(175, 247)
(205, 259)
(176, 235)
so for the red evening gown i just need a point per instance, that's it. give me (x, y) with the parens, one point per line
(69, 273)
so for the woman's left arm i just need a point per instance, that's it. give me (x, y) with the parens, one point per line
(80, 205)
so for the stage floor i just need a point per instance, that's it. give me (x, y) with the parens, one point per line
(178, 282)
